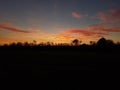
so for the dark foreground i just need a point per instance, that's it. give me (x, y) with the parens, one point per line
(56, 64)
(37, 62)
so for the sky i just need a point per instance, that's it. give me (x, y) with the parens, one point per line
(59, 21)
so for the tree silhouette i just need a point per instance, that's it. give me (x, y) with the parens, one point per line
(19, 44)
(34, 42)
(110, 42)
(92, 43)
(102, 42)
(75, 42)
(26, 44)
(12, 44)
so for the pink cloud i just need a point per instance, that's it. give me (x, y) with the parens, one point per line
(11, 28)
(64, 35)
(111, 29)
(86, 32)
(82, 34)
(104, 28)
(111, 16)
(76, 15)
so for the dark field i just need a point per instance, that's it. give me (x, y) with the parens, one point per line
(44, 62)
(57, 67)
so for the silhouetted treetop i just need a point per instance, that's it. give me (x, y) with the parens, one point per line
(102, 41)
(76, 42)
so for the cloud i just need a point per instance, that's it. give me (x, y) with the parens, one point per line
(79, 31)
(111, 29)
(104, 28)
(86, 32)
(75, 33)
(76, 15)
(11, 28)
(111, 16)
(64, 35)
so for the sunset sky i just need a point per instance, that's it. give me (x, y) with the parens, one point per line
(59, 21)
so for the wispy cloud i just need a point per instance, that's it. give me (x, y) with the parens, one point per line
(75, 33)
(104, 28)
(111, 16)
(77, 15)
(111, 29)
(86, 32)
(11, 28)
(64, 35)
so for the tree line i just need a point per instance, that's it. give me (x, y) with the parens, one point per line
(101, 42)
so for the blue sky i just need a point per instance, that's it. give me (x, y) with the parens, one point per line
(56, 17)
